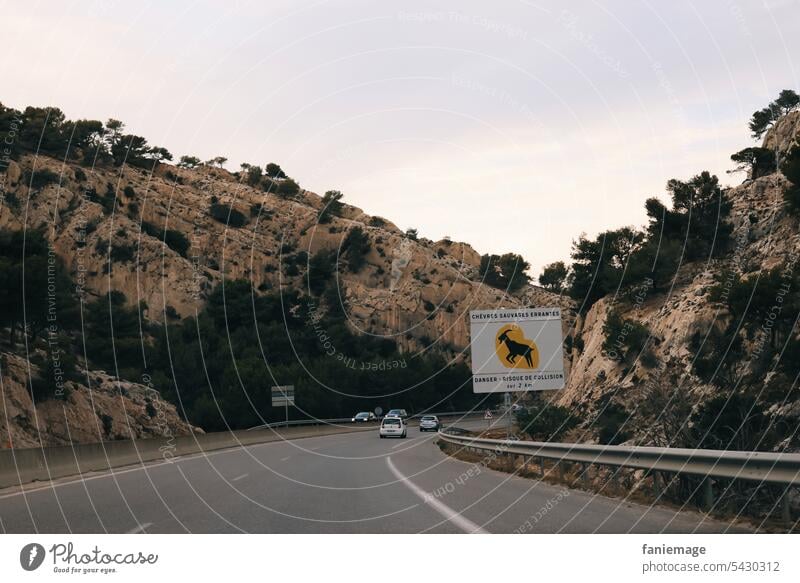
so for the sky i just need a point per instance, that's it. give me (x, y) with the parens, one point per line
(511, 125)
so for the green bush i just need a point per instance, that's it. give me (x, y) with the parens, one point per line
(177, 241)
(321, 268)
(624, 339)
(506, 272)
(356, 245)
(287, 188)
(40, 178)
(611, 423)
(122, 253)
(227, 215)
(546, 421)
(331, 206)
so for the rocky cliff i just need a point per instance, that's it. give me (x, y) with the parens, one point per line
(100, 408)
(416, 291)
(108, 225)
(765, 236)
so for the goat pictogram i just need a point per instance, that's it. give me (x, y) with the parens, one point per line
(514, 350)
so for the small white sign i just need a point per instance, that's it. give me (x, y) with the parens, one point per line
(282, 395)
(516, 350)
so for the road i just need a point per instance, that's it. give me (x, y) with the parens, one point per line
(346, 483)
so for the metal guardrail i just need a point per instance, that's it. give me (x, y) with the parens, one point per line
(767, 467)
(349, 420)
(710, 464)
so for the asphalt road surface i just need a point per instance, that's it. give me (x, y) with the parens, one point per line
(347, 483)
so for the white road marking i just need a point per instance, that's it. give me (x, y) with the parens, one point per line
(140, 528)
(402, 442)
(237, 478)
(460, 521)
(283, 459)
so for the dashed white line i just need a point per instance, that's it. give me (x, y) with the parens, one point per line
(237, 478)
(460, 521)
(283, 459)
(141, 528)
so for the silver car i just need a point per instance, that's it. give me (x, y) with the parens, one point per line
(429, 423)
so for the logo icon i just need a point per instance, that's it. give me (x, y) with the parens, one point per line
(514, 350)
(31, 556)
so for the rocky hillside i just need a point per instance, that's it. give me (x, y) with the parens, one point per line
(765, 236)
(416, 291)
(156, 238)
(102, 410)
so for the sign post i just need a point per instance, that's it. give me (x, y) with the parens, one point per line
(516, 350)
(283, 396)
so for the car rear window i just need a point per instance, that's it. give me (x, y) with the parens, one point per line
(392, 422)
(427, 418)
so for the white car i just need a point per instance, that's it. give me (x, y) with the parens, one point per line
(429, 423)
(392, 427)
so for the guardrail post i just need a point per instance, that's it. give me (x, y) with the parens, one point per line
(708, 494)
(541, 466)
(786, 510)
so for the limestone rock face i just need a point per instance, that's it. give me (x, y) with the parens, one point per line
(764, 236)
(108, 225)
(104, 410)
(418, 292)
(783, 134)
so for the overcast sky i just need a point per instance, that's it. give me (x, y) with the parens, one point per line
(512, 125)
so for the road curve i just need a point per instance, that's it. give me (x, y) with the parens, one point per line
(347, 483)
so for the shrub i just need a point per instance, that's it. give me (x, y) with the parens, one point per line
(624, 339)
(129, 191)
(321, 268)
(610, 423)
(356, 245)
(331, 206)
(553, 276)
(40, 178)
(287, 188)
(791, 170)
(122, 253)
(188, 162)
(274, 171)
(757, 162)
(506, 272)
(177, 241)
(227, 215)
(546, 421)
